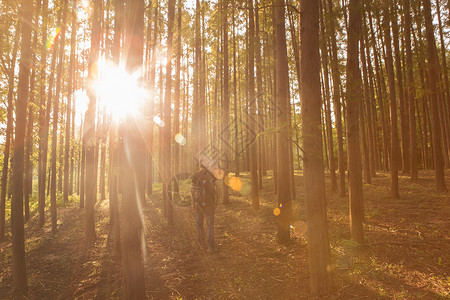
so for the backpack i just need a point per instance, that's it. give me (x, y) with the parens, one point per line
(202, 190)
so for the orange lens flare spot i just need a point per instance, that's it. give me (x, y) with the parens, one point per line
(277, 211)
(235, 183)
(180, 139)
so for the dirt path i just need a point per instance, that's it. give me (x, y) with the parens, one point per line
(406, 256)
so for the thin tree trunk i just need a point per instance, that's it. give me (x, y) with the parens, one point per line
(252, 105)
(20, 285)
(329, 128)
(28, 181)
(89, 126)
(353, 96)
(66, 189)
(337, 103)
(225, 102)
(410, 91)
(283, 103)
(9, 132)
(54, 157)
(433, 71)
(392, 101)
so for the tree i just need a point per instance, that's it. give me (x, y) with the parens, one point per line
(69, 106)
(316, 216)
(9, 131)
(410, 90)
(20, 284)
(393, 103)
(89, 124)
(133, 145)
(225, 100)
(433, 71)
(353, 97)
(55, 118)
(337, 101)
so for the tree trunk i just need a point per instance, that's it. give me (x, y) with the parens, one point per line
(252, 103)
(55, 120)
(89, 126)
(384, 125)
(337, 103)
(20, 285)
(69, 107)
(410, 91)
(28, 181)
(166, 148)
(9, 132)
(433, 71)
(329, 128)
(316, 216)
(133, 142)
(354, 96)
(225, 102)
(392, 101)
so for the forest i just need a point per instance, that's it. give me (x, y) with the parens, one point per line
(324, 125)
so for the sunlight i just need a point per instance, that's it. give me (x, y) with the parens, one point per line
(84, 9)
(118, 91)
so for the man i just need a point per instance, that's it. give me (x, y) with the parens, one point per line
(204, 203)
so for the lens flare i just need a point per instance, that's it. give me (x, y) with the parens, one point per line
(299, 228)
(276, 211)
(158, 121)
(180, 139)
(235, 183)
(52, 38)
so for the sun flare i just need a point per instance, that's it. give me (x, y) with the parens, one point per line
(119, 92)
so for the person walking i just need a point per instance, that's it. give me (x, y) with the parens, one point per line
(203, 193)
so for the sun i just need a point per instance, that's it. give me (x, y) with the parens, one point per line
(119, 93)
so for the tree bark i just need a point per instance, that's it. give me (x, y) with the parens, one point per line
(89, 125)
(316, 216)
(252, 103)
(134, 145)
(337, 102)
(392, 101)
(20, 285)
(433, 71)
(411, 97)
(9, 132)
(354, 96)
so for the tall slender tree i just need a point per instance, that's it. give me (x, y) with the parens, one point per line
(353, 97)
(20, 285)
(316, 216)
(133, 144)
(9, 132)
(89, 135)
(392, 100)
(433, 71)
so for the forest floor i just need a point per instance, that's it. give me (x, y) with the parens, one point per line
(406, 255)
